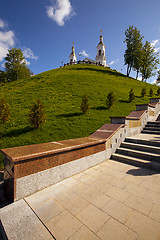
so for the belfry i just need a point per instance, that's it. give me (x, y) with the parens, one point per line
(72, 56)
(101, 58)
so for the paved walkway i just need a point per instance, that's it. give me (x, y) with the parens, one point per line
(111, 201)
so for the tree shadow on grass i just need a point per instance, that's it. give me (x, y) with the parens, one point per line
(124, 101)
(100, 108)
(18, 132)
(69, 115)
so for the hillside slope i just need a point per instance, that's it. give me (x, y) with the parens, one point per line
(61, 91)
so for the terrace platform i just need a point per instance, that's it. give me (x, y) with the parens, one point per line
(111, 200)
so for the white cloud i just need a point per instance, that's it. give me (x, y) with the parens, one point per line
(60, 11)
(113, 62)
(27, 53)
(26, 62)
(2, 23)
(156, 42)
(6, 41)
(83, 53)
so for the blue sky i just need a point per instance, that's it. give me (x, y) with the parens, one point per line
(45, 29)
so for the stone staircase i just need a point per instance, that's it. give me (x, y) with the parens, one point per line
(152, 128)
(141, 152)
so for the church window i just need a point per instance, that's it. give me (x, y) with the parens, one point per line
(99, 52)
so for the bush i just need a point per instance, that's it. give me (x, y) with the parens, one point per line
(4, 111)
(143, 92)
(110, 99)
(151, 92)
(37, 115)
(131, 95)
(158, 91)
(85, 104)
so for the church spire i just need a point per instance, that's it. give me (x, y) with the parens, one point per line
(72, 56)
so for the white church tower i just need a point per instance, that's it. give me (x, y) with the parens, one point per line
(72, 56)
(101, 58)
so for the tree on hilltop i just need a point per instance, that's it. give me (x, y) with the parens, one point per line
(15, 65)
(133, 53)
(149, 61)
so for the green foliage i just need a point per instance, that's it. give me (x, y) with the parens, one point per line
(4, 111)
(149, 61)
(133, 53)
(15, 65)
(143, 92)
(158, 91)
(37, 115)
(131, 95)
(110, 99)
(85, 104)
(151, 92)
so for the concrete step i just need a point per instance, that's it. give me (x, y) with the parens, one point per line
(157, 123)
(136, 161)
(138, 154)
(151, 132)
(142, 142)
(141, 147)
(153, 125)
(152, 128)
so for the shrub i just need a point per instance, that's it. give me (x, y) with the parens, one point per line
(85, 104)
(143, 92)
(4, 111)
(158, 91)
(110, 99)
(37, 115)
(131, 95)
(151, 92)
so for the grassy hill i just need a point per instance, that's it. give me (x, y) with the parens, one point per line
(61, 92)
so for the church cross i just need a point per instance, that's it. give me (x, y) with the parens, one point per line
(101, 31)
(73, 44)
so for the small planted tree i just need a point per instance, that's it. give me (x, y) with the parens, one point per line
(158, 91)
(85, 104)
(151, 92)
(110, 99)
(4, 111)
(37, 114)
(131, 95)
(143, 92)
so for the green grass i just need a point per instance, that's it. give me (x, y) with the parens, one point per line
(61, 92)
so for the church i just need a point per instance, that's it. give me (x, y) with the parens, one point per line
(100, 57)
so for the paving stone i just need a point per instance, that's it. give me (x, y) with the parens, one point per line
(48, 210)
(64, 225)
(20, 222)
(100, 186)
(114, 230)
(132, 179)
(75, 204)
(152, 196)
(138, 203)
(118, 210)
(96, 198)
(117, 193)
(155, 212)
(70, 182)
(135, 189)
(93, 218)
(85, 234)
(151, 186)
(144, 226)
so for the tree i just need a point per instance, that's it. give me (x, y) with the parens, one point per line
(37, 115)
(133, 53)
(4, 111)
(158, 91)
(149, 61)
(131, 95)
(15, 65)
(110, 99)
(151, 92)
(85, 104)
(143, 92)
